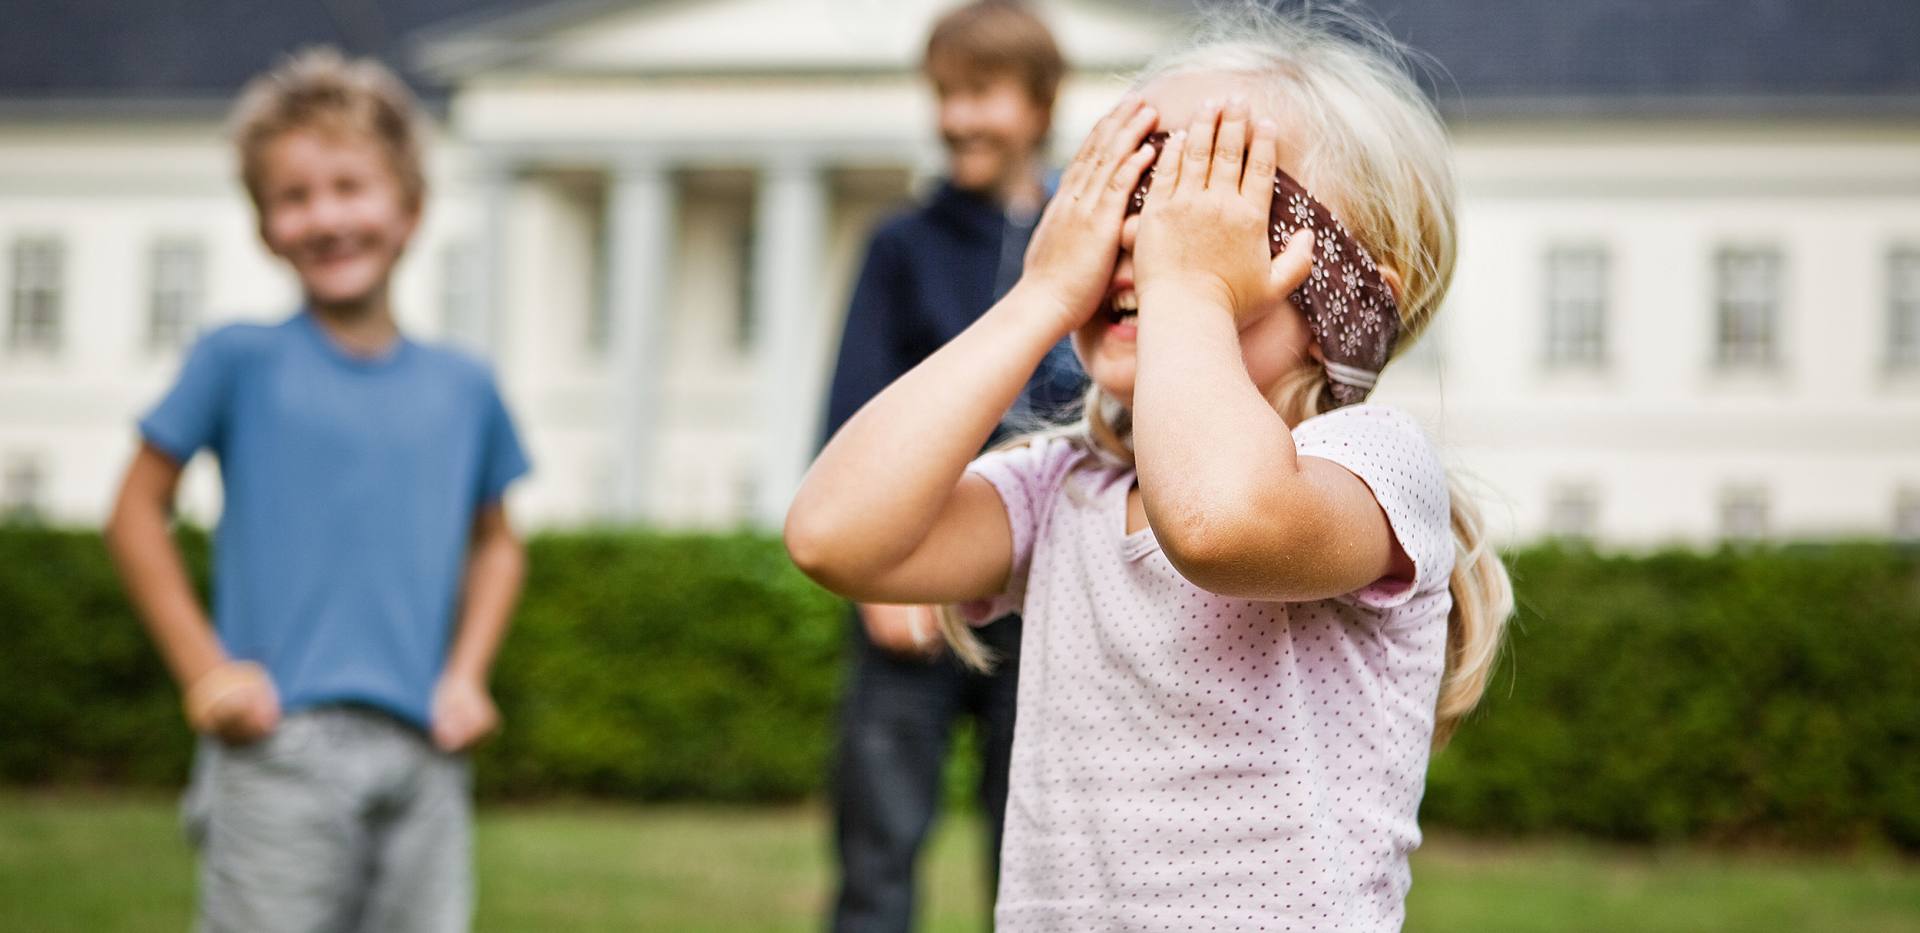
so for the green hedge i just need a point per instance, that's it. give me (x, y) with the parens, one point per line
(653, 666)
(1756, 695)
(667, 667)
(1769, 695)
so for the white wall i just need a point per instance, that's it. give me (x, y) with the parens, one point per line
(1659, 433)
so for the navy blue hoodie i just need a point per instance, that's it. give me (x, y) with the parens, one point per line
(931, 271)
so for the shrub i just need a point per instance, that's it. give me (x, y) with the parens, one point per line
(1770, 694)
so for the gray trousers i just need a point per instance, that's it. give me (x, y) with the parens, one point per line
(342, 821)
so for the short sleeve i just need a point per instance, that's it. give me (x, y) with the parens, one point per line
(505, 460)
(193, 413)
(1028, 479)
(1389, 452)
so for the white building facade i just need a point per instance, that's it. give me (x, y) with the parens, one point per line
(648, 217)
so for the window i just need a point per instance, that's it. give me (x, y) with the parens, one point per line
(1743, 514)
(598, 335)
(459, 302)
(1906, 515)
(1903, 308)
(1576, 306)
(746, 289)
(178, 278)
(1749, 306)
(34, 321)
(746, 493)
(1573, 512)
(21, 489)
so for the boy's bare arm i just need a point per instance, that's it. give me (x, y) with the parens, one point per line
(154, 574)
(463, 711)
(234, 700)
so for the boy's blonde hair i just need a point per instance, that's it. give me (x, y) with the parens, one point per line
(1372, 147)
(998, 36)
(318, 88)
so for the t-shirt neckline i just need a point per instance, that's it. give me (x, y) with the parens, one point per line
(310, 321)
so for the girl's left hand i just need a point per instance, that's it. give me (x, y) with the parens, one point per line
(1203, 232)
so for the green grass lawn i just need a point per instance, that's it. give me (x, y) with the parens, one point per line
(74, 862)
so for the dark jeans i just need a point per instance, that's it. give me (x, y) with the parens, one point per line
(895, 728)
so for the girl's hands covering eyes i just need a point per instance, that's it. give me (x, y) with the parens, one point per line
(1203, 232)
(1071, 257)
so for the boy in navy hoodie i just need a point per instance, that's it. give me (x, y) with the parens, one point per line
(929, 272)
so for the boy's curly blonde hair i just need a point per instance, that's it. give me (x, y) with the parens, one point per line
(318, 88)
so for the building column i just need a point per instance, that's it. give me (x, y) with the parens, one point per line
(481, 326)
(789, 247)
(639, 251)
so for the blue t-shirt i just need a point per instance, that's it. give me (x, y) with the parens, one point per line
(351, 486)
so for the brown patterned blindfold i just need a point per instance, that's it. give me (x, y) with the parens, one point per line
(1350, 309)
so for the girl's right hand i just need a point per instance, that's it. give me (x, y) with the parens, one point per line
(1071, 257)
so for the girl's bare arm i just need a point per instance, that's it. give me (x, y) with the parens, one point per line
(887, 513)
(1235, 507)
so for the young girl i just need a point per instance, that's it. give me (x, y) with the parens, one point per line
(1252, 605)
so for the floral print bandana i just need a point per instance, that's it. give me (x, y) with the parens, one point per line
(1350, 309)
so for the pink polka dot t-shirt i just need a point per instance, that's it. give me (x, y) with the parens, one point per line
(1185, 761)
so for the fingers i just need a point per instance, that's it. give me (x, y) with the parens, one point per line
(1230, 147)
(1121, 156)
(1104, 128)
(1126, 175)
(1289, 270)
(1263, 161)
(452, 736)
(464, 723)
(1097, 153)
(244, 719)
(1166, 169)
(264, 718)
(235, 701)
(1133, 134)
(456, 727)
(1197, 155)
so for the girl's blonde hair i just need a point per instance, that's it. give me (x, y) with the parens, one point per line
(1372, 147)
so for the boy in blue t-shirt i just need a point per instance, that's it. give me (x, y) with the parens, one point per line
(364, 567)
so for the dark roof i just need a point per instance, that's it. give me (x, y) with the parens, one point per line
(1524, 56)
(1711, 56)
(126, 56)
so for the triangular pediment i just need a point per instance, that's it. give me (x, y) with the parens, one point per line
(719, 37)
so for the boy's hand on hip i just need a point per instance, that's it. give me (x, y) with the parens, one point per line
(235, 701)
(463, 713)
